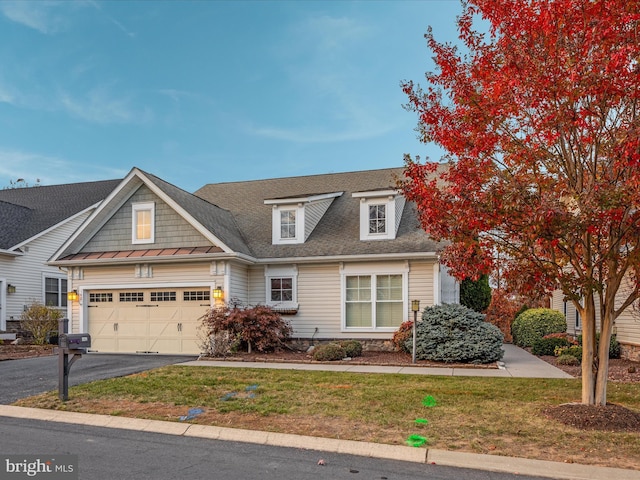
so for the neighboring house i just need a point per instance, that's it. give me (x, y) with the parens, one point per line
(339, 255)
(626, 327)
(34, 223)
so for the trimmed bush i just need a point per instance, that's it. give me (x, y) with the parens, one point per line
(614, 345)
(573, 350)
(548, 345)
(535, 323)
(40, 321)
(400, 336)
(455, 333)
(352, 348)
(568, 360)
(329, 352)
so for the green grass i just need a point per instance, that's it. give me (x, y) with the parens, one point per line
(484, 415)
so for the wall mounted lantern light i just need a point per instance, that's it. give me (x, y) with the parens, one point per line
(72, 296)
(11, 288)
(218, 293)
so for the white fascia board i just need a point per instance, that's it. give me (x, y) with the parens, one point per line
(184, 214)
(307, 199)
(375, 194)
(10, 253)
(353, 258)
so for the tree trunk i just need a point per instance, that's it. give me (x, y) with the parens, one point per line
(606, 327)
(589, 358)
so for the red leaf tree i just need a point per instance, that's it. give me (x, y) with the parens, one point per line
(539, 119)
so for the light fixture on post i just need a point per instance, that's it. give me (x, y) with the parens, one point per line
(72, 296)
(11, 288)
(415, 307)
(218, 294)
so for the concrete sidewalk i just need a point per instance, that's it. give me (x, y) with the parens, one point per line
(516, 363)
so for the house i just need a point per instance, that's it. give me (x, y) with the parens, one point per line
(339, 255)
(626, 327)
(34, 223)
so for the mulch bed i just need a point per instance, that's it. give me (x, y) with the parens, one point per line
(610, 418)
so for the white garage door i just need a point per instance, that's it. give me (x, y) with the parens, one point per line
(163, 320)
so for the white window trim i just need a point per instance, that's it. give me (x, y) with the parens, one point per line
(368, 199)
(61, 294)
(135, 208)
(353, 270)
(276, 222)
(281, 272)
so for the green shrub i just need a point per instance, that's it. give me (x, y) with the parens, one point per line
(535, 323)
(455, 333)
(548, 345)
(352, 348)
(573, 350)
(40, 321)
(329, 352)
(476, 294)
(400, 336)
(568, 360)
(614, 345)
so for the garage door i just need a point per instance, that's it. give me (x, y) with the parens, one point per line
(146, 320)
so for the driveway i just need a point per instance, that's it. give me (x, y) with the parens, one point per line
(30, 376)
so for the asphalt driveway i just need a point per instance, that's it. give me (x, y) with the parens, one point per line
(30, 376)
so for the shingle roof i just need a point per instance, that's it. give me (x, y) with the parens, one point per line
(25, 212)
(337, 233)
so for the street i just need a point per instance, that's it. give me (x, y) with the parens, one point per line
(107, 454)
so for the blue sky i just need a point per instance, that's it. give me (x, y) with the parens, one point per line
(200, 92)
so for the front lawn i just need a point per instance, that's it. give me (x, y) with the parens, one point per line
(502, 416)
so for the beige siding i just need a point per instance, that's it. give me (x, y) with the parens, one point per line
(171, 230)
(239, 283)
(257, 286)
(421, 284)
(319, 299)
(627, 325)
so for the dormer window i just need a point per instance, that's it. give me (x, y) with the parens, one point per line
(380, 214)
(377, 219)
(287, 224)
(143, 222)
(294, 218)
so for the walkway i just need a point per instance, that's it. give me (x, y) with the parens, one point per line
(516, 363)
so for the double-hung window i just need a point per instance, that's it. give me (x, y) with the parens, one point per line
(374, 301)
(287, 224)
(143, 222)
(281, 283)
(55, 292)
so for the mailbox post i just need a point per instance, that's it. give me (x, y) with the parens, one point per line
(70, 348)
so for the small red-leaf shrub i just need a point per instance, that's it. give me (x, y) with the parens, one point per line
(502, 311)
(400, 336)
(256, 327)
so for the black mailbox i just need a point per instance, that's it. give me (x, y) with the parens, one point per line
(74, 341)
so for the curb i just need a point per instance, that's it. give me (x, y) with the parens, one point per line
(493, 463)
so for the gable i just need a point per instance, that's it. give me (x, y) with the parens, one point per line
(171, 229)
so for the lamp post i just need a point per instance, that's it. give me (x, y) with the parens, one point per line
(415, 307)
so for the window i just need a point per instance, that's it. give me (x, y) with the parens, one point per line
(143, 222)
(374, 301)
(377, 219)
(163, 296)
(281, 290)
(287, 224)
(131, 296)
(55, 292)
(196, 296)
(100, 297)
